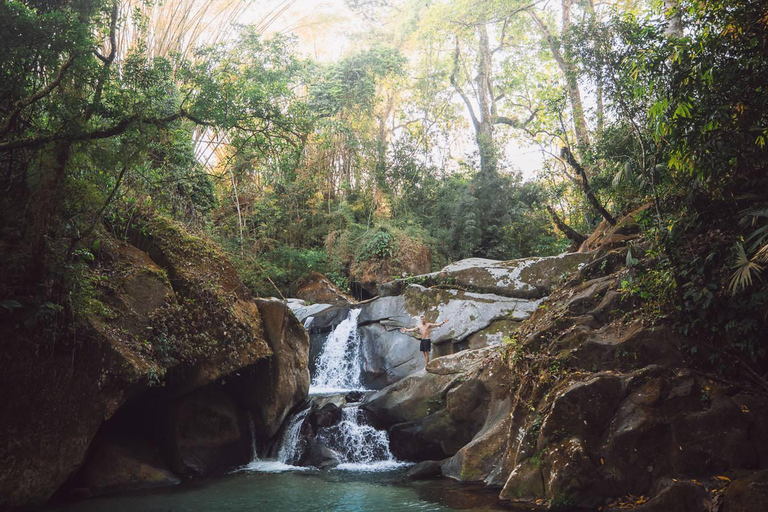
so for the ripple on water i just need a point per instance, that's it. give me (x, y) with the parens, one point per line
(372, 467)
(271, 466)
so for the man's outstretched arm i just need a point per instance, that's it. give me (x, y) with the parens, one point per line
(438, 325)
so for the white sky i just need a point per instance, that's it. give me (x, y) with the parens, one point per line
(325, 30)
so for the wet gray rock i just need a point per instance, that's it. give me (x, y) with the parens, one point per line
(318, 455)
(388, 355)
(425, 470)
(326, 416)
(318, 317)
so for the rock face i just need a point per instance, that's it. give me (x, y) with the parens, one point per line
(582, 406)
(206, 433)
(318, 317)
(433, 413)
(119, 464)
(390, 355)
(167, 308)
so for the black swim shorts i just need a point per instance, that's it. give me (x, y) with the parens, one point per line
(425, 345)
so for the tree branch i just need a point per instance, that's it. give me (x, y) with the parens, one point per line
(105, 133)
(107, 62)
(22, 104)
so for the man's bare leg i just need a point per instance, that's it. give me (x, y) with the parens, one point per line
(426, 357)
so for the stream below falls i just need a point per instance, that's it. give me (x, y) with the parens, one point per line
(367, 477)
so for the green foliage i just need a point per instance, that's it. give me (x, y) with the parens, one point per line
(378, 244)
(655, 288)
(351, 83)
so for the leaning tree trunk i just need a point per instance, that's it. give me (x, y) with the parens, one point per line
(584, 183)
(568, 231)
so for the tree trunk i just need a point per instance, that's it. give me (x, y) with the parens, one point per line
(484, 88)
(564, 61)
(568, 231)
(584, 182)
(46, 203)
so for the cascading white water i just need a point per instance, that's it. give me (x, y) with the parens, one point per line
(359, 445)
(289, 451)
(290, 441)
(338, 365)
(252, 432)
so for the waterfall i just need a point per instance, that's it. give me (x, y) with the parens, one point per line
(338, 365)
(359, 445)
(289, 448)
(252, 432)
(290, 442)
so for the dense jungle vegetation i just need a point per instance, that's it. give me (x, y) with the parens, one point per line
(396, 151)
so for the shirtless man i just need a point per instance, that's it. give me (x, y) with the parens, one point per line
(424, 329)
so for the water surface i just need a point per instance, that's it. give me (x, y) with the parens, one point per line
(274, 489)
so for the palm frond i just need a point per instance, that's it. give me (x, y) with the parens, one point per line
(761, 255)
(750, 217)
(745, 269)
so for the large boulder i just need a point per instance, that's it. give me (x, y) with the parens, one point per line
(467, 312)
(317, 288)
(435, 412)
(411, 398)
(167, 309)
(274, 386)
(318, 318)
(528, 278)
(478, 458)
(318, 455)
(388, 355)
